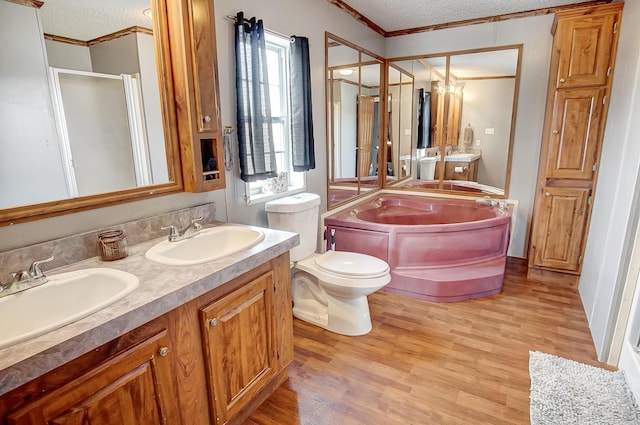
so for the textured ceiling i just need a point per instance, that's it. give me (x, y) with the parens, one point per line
(392, 15)
(88, 19)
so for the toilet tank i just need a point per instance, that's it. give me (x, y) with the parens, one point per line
(299, 214)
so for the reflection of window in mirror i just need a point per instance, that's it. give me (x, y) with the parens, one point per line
(464, 107)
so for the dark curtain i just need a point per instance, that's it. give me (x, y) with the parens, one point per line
(255, 135)
(300, 104)
(424, 119)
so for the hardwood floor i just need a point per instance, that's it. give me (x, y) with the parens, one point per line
(431, 363)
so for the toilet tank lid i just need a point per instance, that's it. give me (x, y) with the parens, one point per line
(297, 202)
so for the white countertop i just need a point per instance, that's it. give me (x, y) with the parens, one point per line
(162, 288)
(462, 157)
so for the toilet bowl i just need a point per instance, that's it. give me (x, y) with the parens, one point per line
(329, 290)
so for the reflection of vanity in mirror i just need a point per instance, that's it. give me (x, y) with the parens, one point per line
(353, 120)
(462, 105)
(449, 121)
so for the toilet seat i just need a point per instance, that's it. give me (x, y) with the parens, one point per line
(336, 279)
(351, 264)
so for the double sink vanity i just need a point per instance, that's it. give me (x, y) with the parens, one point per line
(193, 331)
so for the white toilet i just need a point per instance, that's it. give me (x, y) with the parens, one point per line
(329, 290)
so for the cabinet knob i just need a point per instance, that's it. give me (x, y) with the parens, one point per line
(547, 194)
(562, 80)
(163, 351)
(555, 131)
(213, 322)
(207, 118)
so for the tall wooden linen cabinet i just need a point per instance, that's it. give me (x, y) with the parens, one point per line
(583, 55)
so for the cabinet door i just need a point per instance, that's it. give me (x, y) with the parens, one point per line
(574, 133)
(239, 348)
(585, 44)
(205, 70)
(560, 224)
(456, 170)
(133, 388)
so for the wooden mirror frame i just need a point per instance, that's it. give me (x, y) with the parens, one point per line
(514, 110)
(329, 119)
(10, 216)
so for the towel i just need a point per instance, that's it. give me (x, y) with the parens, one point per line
(467, 138)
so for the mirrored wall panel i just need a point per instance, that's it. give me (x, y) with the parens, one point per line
(463, 115)
(354, 121)
(82, 112)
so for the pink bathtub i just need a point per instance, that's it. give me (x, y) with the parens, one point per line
(438, 249)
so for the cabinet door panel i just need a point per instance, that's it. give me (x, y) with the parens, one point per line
(205, 70)
(561, 223)
(574, 133)
(133, 388)
(585, 46)
(238, 335)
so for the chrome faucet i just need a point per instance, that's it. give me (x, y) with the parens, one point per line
(23, 280)
(492, 202)
(192, 229)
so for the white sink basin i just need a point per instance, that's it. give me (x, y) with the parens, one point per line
(208, 245)
(65, 298)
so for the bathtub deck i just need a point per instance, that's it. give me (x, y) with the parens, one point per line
(432, 363)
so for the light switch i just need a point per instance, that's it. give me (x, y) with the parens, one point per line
(407, 132)
(489, 131)
(478, 142)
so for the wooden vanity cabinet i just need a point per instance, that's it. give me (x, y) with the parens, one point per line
(128, 385)
(239, 346)
(583, 55)
(463, 170)
(197, 93)
(181, 368)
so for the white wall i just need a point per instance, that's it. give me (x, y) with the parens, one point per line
(152, 108)
(68, 56)
(488, 104)
(348, 130)
(30, 162)
(615, 213)
(308, 18)
(534, 33)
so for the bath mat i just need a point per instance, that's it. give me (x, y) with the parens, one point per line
(567, 392)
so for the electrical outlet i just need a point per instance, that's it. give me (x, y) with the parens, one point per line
(478, 142)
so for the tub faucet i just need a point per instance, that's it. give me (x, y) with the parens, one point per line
(487, 201)
(23, 280)
(192, 229)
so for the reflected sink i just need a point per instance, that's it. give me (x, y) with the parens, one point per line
(464, 157)
(208, 245)
(65, 298)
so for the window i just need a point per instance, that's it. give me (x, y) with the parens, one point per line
(287, 180)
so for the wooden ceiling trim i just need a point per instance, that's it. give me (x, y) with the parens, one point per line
(358, 16)
(30, 3)
(497, 18)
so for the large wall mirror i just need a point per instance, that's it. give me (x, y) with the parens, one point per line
(83, 121)
(452, 120)
(354, 120)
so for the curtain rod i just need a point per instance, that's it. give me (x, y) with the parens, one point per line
(234, 19)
